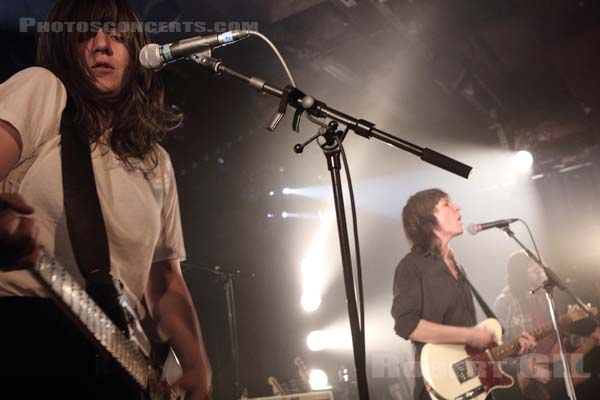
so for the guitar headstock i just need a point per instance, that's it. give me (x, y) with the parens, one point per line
(275, 386)
(576, 313)
(303, 371)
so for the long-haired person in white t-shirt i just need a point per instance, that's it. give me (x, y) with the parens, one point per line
(118, 107)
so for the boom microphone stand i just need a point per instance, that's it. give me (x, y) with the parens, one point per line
(316, 110)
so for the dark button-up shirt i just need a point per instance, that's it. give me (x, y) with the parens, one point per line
(424, 288)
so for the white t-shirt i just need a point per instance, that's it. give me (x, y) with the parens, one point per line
(141, 210)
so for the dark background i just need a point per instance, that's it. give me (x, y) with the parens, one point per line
(477, 80)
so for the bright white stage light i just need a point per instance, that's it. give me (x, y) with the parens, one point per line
(286, 190)
(311, 284)
(316, 341)
(284, 215)
(522, 161)
(318, 380)
(310, 301)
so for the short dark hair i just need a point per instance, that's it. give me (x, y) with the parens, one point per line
(140, 117)
(419, 221)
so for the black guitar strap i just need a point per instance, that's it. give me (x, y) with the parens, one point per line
(85, 222)
(486, 309)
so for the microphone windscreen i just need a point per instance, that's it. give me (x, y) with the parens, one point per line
(150, 57)
(473, 229)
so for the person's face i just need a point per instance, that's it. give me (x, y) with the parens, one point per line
(448, 219)
(107, 58)
(536, 274)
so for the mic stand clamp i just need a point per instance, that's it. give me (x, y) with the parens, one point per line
(549, 285)
(294, 96)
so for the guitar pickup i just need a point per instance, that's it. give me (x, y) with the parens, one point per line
(464, 370)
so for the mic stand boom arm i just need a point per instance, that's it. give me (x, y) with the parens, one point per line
(331, 149)
(303, 103)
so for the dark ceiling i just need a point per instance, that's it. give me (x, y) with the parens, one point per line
(526, 71)
(510, 74)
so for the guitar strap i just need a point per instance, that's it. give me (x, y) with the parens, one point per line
(486, 309)
(85, 222)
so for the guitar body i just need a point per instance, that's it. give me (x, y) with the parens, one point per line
(455, 371)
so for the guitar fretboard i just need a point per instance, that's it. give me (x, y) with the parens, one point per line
(61, 284)
(512, 347)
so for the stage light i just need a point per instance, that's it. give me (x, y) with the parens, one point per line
(286, 190)
(316, 340)
(522, 161)
(344, 375)
(310, 301)
(270, 215)
(312, 281)
(271, 193)
(318, 380)
(284, 214)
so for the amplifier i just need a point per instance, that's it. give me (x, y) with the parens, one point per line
(326, 395)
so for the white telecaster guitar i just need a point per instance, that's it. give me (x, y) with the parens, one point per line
(459, 372)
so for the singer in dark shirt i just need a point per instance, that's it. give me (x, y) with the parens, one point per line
(432, 302)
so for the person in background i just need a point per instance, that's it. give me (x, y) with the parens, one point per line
(432, 302)
(518, 310)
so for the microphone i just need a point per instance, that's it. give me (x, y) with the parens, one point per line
(154, 56)
(474, 229)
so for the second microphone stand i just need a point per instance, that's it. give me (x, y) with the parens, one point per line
(552, 281)
(226, 277)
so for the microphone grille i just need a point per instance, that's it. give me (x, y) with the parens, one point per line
(150, 57)
(473, 229)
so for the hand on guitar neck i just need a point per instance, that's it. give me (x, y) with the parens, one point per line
(19, 248)
(527, 343)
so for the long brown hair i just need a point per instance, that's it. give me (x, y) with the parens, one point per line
(419, 221)
(138, 115)
(517, 275)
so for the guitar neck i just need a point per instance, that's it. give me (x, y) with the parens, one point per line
(512, 347)
(73, 297)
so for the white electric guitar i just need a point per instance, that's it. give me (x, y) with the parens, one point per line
(459, 372)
